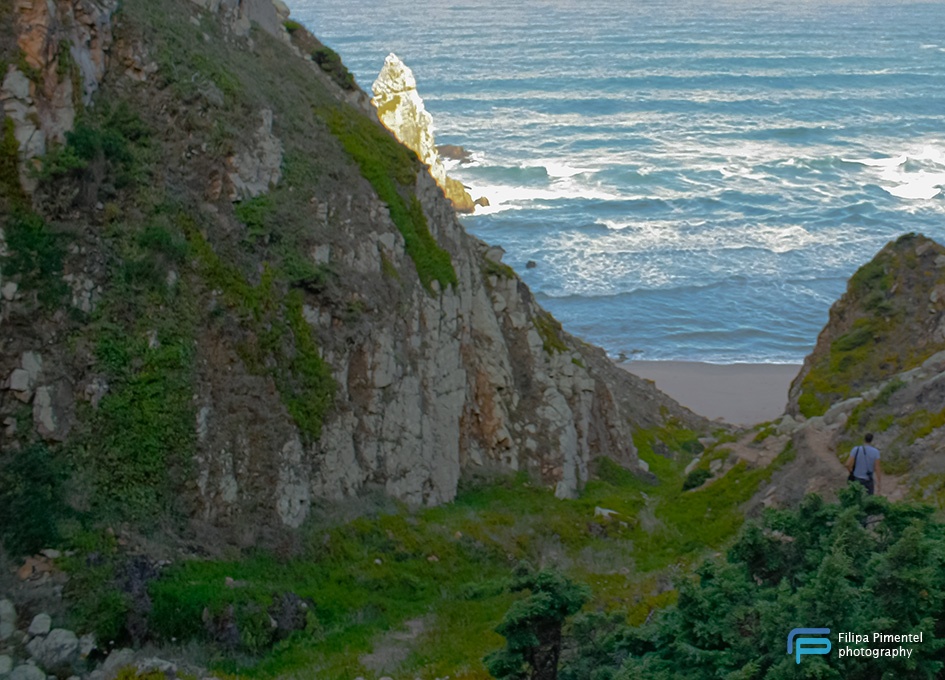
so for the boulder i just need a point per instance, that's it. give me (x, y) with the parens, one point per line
(56, 651)
(154, 664)
(7, 620)
(6, 665)
(27, 672)
(40, 624)
(118, 659)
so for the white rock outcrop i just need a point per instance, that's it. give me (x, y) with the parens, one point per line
(401, 110)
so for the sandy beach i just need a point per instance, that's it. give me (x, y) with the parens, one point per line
(744, 394)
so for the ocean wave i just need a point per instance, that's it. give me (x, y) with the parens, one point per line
(924, 187)
(878, 162)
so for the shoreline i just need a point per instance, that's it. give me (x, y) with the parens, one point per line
(740, 394)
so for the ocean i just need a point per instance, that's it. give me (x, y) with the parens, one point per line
(693, 181)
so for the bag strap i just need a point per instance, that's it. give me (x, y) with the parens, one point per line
(855, 454)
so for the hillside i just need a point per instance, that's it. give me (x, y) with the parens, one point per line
(230, 296)
(876, 367)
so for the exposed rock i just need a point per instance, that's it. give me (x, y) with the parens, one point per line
(22, 380)
(531, 264)
(240, 15)
(6, 665)
(118, 659)
(401, 109)
(7, 619)
(87, 645)
(27, 672)
(65, 45)
(56, 651)
(429, 384)
(254, 171)
(454, 153)
(155, 664)
(85, 293)
(53, 411)
(40, 624)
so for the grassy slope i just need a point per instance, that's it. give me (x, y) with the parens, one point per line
(448, 566)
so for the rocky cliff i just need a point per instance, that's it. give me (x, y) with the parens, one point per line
(401, 110)
(878, 366)
(229, 295)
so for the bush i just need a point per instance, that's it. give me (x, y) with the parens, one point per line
(862, 564)
(532, 626)
(696, 478)
(329, 62)
(31, 502)
(36, 256)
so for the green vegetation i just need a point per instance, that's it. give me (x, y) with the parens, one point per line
(31, 504)
(391, 169)
(696, 478)
(114, 136)
(256, 214)
(10, 189)
(862, 564)
(329, 62)
(499, 269)
(280, 335)
(36, 255)
(532, 626)
(880, 328)
(141, 437)
(549, 328)
(95, 594)
(448, 567)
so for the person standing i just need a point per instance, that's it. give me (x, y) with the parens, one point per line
(863, 465)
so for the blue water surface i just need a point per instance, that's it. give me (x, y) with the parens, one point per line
(694, 180)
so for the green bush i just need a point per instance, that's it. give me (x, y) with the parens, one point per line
(860, 565)
(329, 62)
(31, 499)
(10, 187)
(697, 477)
(532, 627)
(36, 257)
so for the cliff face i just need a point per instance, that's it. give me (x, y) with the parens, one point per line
(878, 367)
(229, 294)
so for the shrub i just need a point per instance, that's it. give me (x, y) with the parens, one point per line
(696, 478)
(532, 626)
(31, 501)
(329, 62)
(36, 256)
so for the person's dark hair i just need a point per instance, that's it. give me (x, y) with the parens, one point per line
(868, 437)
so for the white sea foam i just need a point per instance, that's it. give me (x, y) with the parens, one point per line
(922, 186)
(878, 162)
(506, 197)
(652, 235)
(556, 168)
